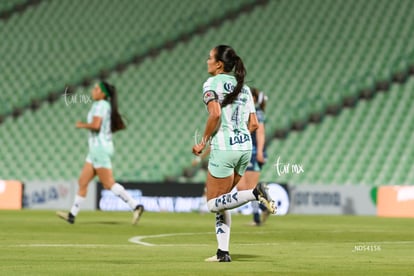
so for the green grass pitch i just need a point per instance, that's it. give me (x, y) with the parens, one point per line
(99, 243)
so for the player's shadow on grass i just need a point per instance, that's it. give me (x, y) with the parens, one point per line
(243, 257)
(104, 222)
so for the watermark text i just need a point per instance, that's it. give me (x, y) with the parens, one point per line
(366, 248)
(286, 168)
(75, 98)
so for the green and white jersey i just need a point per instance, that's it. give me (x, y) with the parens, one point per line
(232, 133)
(103, 137)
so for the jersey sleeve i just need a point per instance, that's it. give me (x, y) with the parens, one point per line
(100, 109)
(209, 96)
(209, 92)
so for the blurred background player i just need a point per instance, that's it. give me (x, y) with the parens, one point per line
(258, 159)
(103, 120)
(230, 105)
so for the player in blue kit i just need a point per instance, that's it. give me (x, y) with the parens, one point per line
(258, 159)
(102, 121)
(232, 117)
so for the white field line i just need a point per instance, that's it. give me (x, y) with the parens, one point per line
(66, 245)
(140, 241)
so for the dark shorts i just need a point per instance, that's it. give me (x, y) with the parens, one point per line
(254, 165)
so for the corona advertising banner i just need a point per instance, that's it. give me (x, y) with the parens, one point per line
(332, 200)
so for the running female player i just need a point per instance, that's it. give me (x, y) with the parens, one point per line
(258, 159)
(103, 120)
(231, 119)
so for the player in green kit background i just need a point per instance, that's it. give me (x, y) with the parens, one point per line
(232, 117)
(103, 120)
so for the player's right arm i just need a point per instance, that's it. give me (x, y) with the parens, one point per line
(95, 125)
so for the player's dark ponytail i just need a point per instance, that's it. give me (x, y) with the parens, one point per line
(117, 122)
(231, 61)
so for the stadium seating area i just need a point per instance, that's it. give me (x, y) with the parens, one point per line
(62, 42)
(307, 56)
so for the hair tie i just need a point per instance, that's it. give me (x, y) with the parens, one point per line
(260, 98)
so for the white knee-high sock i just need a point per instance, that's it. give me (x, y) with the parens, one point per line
(223, 224)
(76, 205)
(230, 200)
(120, 191)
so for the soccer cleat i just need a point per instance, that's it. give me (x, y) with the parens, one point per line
(221, 256)
(66, 216)
(136, 215)
(262, 195)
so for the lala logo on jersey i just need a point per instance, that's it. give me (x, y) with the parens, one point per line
(239, 139)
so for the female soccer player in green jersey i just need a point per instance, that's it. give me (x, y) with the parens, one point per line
(103, 120)
(232, 117)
